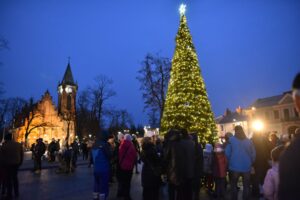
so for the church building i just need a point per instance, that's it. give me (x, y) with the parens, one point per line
(44, 120)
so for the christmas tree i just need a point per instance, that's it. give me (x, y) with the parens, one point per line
(187, 105)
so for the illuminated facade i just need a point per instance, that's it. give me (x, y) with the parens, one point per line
(276, 114)
(46, 121)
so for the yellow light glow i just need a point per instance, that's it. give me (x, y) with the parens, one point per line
(258, 125)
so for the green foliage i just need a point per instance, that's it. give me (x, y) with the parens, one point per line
(187, 105)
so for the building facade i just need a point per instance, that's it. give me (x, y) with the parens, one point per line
(44, 120)
(227, 122)
(277, 114)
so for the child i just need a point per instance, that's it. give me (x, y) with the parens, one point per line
(219, 171)
(270, 186)
(207, 167)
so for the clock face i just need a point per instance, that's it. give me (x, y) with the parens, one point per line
(68, 89)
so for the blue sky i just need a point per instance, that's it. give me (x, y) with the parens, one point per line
(246, 49)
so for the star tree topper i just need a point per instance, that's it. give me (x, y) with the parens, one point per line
(182, 9)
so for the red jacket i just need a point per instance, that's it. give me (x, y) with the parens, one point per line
(219, 165)
(127, 155)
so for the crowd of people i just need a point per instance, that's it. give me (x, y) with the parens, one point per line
(268, 165)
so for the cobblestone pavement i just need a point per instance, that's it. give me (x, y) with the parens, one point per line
(79, 185)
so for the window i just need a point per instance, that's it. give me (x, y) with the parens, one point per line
(276, 114)
(286, 114)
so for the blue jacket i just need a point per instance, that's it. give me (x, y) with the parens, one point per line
(101, 157)
(240, 154)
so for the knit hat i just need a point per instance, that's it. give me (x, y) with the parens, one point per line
(128, 137)
(208, 148)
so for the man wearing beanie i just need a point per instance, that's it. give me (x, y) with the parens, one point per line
(289, 164)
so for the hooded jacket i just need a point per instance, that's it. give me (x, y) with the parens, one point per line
(270, 186)
(101, 154)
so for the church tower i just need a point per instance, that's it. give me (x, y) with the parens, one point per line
(67, 90)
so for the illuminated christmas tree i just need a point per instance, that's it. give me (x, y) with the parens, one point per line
(187, 105)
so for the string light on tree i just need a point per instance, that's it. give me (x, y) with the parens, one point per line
(187, 105)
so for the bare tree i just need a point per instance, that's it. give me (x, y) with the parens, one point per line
(85, 120)
(154, 76)
(32, 118)
(101, 92)
(9, 108)
(3, 45)
(120, 120)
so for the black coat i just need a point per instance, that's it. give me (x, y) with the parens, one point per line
(180, 159)
(39, 149)
(289, 172)
(151, 170)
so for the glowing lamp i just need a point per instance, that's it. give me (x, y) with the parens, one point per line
(258, 125)
(182, 9)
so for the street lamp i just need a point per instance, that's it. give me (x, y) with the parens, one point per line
(258, 125)
(90, 135)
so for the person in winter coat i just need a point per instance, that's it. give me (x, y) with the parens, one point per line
(85, 153)
(75, 148)
(180, 156)
(12, 158)
(39, 151)
(198, 167)
(219, 171)
(151, 170)
(271, 182)
(90, 144)
(137, 148)
(289, 162)
(127, 158)
(101, 155)
(261, 162)
(207, 168)
(168, 168)
(240, 153)
(119, 140)
(51, 150)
